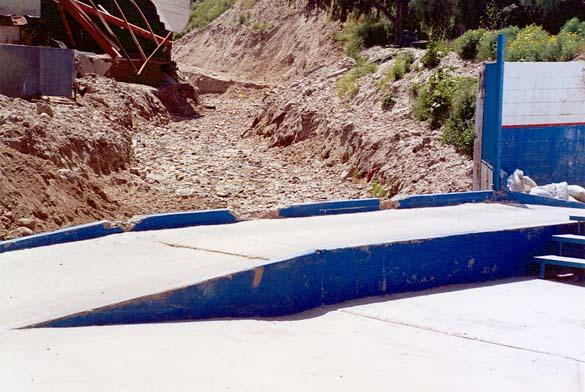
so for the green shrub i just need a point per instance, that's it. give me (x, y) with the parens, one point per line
(486, 49)
(378, 190)
(532, 44)
(204, 12)
(432, 57)
(574, 26)
(458, 130)
(433, 98)
(388, 101)
(448, 101)
(347, 86)
(569, 45)
(466, 45)
(364, 32)
(401, 67)
(262, 26)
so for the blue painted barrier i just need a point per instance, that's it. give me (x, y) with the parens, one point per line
(545, 201)
(445, 199)
(183, 219)
(105, 228)
(70, 234)
(326, 277)
(330, 208)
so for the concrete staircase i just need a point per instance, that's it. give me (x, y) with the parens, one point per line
(562, 239)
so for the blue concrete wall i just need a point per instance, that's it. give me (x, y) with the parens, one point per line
(331, 276)
(330, 208)
(444, 199)
(70, 234)
(105, 228)
(546, 154)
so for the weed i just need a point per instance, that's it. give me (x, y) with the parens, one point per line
(378, 190)
(347, 86)
(466, 45)
(388, 101)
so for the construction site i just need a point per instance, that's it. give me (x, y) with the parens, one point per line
(248, 203)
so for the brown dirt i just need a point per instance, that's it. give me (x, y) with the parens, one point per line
(119, 152)
(264, 41)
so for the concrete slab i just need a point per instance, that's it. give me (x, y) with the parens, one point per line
(50, 282)
(433, 342)
(279, 238)
(46, 283)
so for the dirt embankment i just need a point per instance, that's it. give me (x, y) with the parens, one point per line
(363, 140)
(264, 41)
(57, 158)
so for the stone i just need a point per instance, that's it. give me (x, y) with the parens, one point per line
(30, 223)
(44, 107)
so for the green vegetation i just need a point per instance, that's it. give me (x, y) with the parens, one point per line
(262, 26)
(401, 67)
(449, 102)
(365, 31)
(388, 101)
(466, 45)
(378, 190)
(487, 44)
(432, 57)
(348, 85)
(204, 12)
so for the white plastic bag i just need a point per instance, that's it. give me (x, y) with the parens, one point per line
(558, 191)
(578, 192)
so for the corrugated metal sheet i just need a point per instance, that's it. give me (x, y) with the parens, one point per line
(20, 7)
(27, 71)
(173, 13)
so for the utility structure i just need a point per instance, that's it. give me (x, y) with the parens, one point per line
(130, 39)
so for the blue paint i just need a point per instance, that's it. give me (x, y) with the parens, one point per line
(70, 234)
(105, 228)
(445, 199)
(330, 208)
(490, 127)
(501, 61)
(544, 201)
(331, 276)
(546, 154)
(184, 219)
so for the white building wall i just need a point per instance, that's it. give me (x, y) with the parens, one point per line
(544, 93)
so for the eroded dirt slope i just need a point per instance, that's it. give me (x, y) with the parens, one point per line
(263, 40)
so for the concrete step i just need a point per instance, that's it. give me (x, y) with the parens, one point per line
(570, 239)
(560, 261)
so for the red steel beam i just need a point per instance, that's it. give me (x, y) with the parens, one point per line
(81, 17)
(120, 23)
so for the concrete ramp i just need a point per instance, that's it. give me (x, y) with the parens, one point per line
(270, 267)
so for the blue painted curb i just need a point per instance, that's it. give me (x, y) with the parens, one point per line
(545, 201)
(183, 219)
(330, 208)
(70, 234)
(325, 277)
(445, 199)
(105, 228)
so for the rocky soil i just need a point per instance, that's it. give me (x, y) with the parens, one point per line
(361, 139)
(266, 41)
(272, 133)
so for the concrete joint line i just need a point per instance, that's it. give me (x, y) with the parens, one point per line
(457, 335)
(213, 251)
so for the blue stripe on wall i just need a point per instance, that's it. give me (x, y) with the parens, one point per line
(332, 276)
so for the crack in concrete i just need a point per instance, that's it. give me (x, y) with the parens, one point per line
(458, 335)
(213, 251)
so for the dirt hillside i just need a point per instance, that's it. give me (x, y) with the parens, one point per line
(269, 131)
(263, 40)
